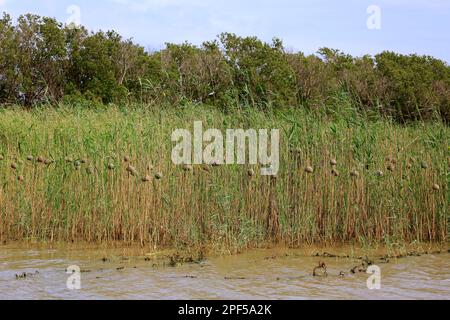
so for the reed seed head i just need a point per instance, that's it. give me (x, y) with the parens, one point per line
(309, 169)
(335, 173)
(131, 170)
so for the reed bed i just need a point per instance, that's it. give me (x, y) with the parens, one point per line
(69, 174)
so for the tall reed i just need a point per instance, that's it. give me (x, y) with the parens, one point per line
(96, 197)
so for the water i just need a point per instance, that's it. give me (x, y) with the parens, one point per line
(258, 274)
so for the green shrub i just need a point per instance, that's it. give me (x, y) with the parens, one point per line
(43, 61)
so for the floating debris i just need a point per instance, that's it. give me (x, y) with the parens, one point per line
(358, 268)
(363, 266)
(330, 255)
(320, 270)
(366, 261)
(25, 275)
(384, 260)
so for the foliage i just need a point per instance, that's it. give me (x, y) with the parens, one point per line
(42, 60)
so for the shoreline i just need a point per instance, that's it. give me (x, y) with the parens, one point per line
(338, 251)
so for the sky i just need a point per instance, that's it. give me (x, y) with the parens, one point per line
(356, 27)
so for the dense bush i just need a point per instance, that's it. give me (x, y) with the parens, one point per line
(42, 60)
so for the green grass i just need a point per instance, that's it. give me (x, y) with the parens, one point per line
(222, 208)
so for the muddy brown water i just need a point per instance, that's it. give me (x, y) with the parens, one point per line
(258, 274)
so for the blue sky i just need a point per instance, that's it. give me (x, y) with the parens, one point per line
(407, 26)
